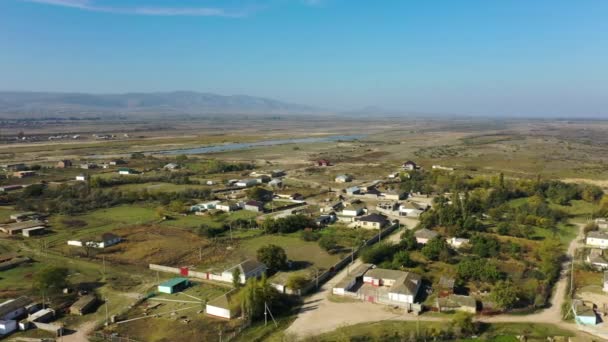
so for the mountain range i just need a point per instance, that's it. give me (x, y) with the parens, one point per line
(37, 104)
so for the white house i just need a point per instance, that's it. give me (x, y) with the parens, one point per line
(402, 286)
(458, 242)
(353, 190)
(596, 259)
(353, 210)
(249, 268)
(228, 206)
(104, 241)
(81, 178)
(602, 223)
(372, 221)
(411, 209)
(597, 239)
(353, 277)
(409, 166)
(171, 166)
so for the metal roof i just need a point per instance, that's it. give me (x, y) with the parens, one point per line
(173, 282)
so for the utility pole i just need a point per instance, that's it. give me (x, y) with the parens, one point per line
(107, 321)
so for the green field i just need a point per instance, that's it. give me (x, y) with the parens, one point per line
(159, 187)
(297, 250)
(99, 221)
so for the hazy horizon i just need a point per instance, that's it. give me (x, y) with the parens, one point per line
(472, 57)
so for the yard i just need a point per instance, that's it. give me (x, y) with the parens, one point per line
(174, 321)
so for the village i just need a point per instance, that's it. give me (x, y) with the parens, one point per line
(402, 241)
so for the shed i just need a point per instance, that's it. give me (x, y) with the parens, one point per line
(83, 305)
(7, 327)
(174, 285)
(14, 308)
(221, 306)
(28, 232)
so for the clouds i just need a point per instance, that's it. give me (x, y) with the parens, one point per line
(96, 6)
(92, 6)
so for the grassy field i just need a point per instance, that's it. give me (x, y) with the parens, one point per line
(159, 187)
(175, 321)
(299, 251)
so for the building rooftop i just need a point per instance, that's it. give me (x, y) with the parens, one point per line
(425, 234)
(455, 301)
(376, 218)
(408, 284)
(173, 282)
(598, 235)
(13, 304)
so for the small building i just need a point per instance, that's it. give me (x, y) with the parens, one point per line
(457, 303)
(83, 305)
(393, 175)
(409, 166)
(458, 242)
(42, 316)
(372, 221)
(248, 269)
(445, 286)
(596, 259)
(172, 167)
(323, 162)
(353, 190)
(228, 206)
(393, 194)
(353, 209)
(411, 209)
(597, 239)
(343, 179)
(18, 227)
(276, 183)
(103, 241)
(62, 164)
(246, 183)
(127, 171)
(324, 220)
(14, 308)
(82, 178)
(7, 327)
(14, 167)
(88, 166)
(423, 236)
(24, 174)
(7, 188)
(20, 217)
(222, 306)
(117, 162)
(204, 206)
(174, 285)
(34, 231)
(602, 223)
(354, 276)
(444, 168)
(255, 206)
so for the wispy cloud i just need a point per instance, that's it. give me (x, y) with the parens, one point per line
(90, 5)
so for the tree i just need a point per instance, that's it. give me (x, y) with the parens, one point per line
(408, 240)
(50, 279)
(504, 295)
(328, 242)
(378, 253)
(236, 277)
(259, 194)
(255, 295)
(296, 282)
(402, 259)
(463, 322)
(436, 249)
(273, 257)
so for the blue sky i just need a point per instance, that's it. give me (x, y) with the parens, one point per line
(481, 57)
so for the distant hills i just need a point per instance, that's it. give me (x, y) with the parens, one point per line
(47, 104)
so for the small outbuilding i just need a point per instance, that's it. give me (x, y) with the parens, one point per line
(174, 285)
(222, 306)
(84, 305)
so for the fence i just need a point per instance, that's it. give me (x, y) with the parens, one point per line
(184, 271)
